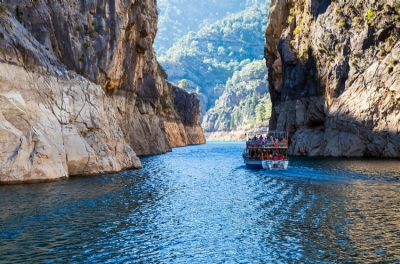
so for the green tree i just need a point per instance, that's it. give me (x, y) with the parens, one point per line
(184, 84)
(236, 116)
(232, 123)
(261, 113)
(253, 105)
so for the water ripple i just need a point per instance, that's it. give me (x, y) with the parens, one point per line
(201, 205)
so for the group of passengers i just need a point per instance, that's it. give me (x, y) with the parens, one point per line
(267, 141)
(264, 155)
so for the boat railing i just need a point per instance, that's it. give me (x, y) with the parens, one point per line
(268, 159)
(266, 145)
(273, 139)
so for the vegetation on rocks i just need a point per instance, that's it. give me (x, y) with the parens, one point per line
(211, 61)
(370, 16)
(3, 8)
(178, 18)
(244, 103)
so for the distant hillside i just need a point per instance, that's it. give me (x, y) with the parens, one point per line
(244, 103)
(178, 17)
(208, 58)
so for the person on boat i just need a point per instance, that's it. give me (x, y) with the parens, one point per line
(255, 137)
(281, 157)
(261, 137)
(285, 141)
(266, 155)
(276, 143)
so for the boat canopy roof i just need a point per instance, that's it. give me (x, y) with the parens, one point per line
(278, 134)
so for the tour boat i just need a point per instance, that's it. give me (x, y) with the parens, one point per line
(269, 153)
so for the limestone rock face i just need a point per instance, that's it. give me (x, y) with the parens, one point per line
(334, 76)
(53, 123)
(80, 91)
(110, 43)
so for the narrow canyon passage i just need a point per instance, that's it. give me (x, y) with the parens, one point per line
(200, 204)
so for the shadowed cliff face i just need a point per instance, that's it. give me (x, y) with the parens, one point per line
(109, 42)
(334, 76)
(87, 66)
(187, 106)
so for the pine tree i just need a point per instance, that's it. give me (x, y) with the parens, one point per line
(261, 113)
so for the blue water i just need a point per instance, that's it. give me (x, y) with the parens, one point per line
(200, 204)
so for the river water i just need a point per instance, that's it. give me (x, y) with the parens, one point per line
(199, 204)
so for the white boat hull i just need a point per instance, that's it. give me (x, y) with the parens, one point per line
(277, 165)
(267, 164)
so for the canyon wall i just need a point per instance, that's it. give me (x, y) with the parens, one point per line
(81, 89)
(334, 75)
(187, 105)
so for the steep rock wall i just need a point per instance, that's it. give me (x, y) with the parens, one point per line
(187, 106)
(110, 43)
(87, 85)
(334, 76)
(53, 122)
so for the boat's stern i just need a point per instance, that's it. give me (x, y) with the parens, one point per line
(276, 164)
(267, 164)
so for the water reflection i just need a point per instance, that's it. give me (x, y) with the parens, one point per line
(200, 204)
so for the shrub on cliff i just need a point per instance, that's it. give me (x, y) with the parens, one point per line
(162, 71)
(3, 8)
(370, 16)
(184, 84)
(19, 15)
(165, 104)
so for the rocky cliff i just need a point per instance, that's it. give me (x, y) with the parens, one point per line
(81, 90)
(187, 105)
(334, 75)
